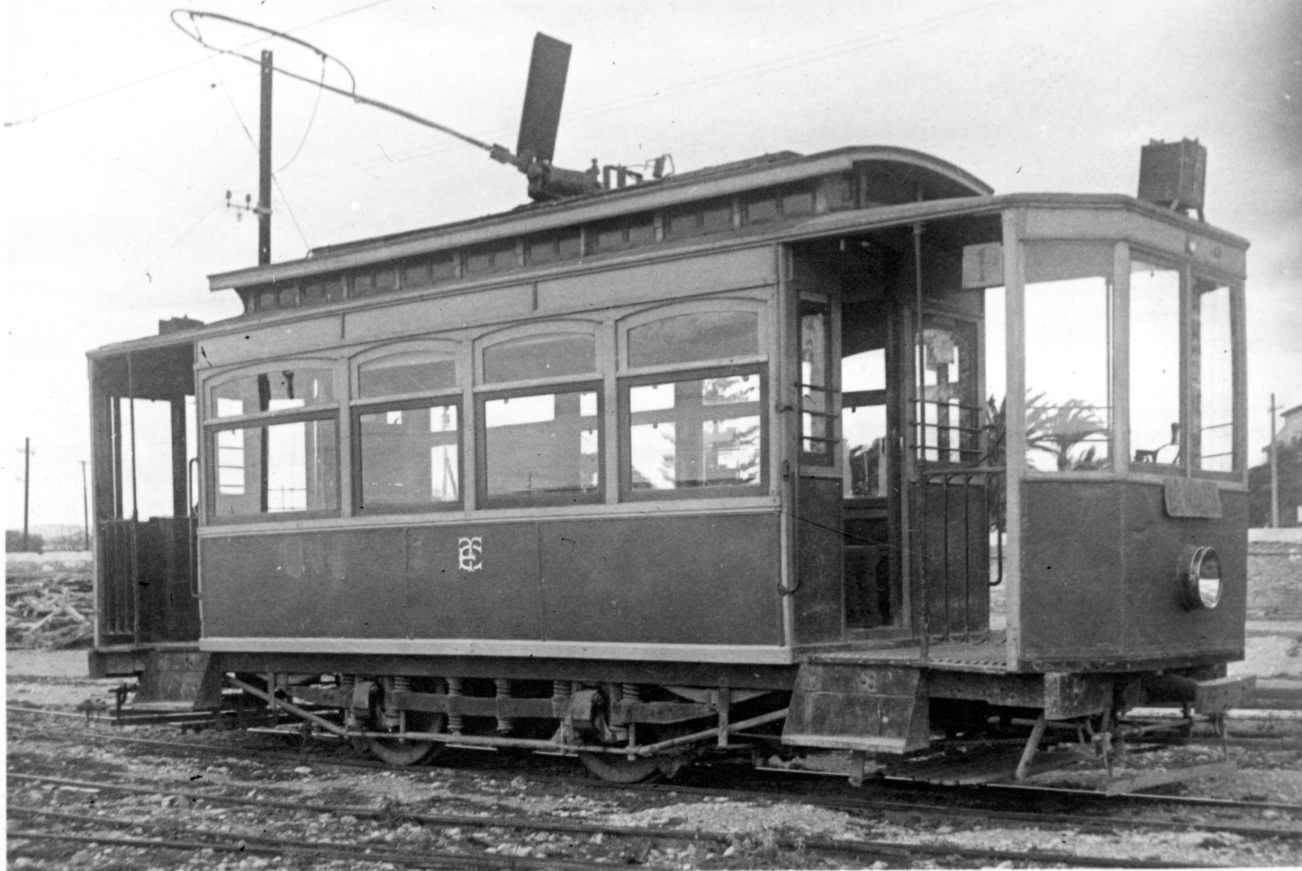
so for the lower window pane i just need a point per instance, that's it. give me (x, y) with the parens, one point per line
(543, 446)
(280, 468)
(864, 431)
(703, 432)
(409, 457)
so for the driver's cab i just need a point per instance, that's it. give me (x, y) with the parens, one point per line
(1111, 330)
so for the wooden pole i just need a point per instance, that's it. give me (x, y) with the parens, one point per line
(1274, 469)
(26, 488)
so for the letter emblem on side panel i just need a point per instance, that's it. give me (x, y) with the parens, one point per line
(469, 553)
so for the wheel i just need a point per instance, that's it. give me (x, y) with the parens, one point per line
(401, 752)
(614, 768)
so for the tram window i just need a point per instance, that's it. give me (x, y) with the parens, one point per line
(279, 390)
(698, 336)
(406, 372)
(1154, 363)
(950, 410)
(1213, 373)
(865, 370)
(1068, 413)
(863, 431)
(545, 356)
(277, 468)
(695, 433)
(542, 448)
(816, 416)
(409, 456)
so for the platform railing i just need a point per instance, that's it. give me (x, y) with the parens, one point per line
(954, 550)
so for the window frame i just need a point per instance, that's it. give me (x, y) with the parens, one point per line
(485, 391)
(1162, 260)
(1114, 300)
(627, 493)
(485, 500)
(405, 403)
(360, 404)
(211, 425)
(1238, 352)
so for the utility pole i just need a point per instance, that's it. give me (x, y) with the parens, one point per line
(264, 164)
(85, 509)
(1274, 469)
(27, 484)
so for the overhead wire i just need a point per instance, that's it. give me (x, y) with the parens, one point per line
(108, 92)
(791, 61)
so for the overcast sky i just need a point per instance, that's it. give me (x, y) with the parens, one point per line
(122, 136)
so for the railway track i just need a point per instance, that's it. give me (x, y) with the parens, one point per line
(231, 838)
(917, 808)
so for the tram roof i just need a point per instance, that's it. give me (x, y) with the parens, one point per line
(930, 178)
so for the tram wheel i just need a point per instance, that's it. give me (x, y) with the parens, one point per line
(616, 768)
(401, 752)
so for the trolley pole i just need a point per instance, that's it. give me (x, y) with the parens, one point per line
(27, 484)
(264, 164)
(85, 509)
(1274, 469)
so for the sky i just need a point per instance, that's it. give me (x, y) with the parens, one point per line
(121, 137)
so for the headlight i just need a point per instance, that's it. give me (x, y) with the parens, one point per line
(1201, 581)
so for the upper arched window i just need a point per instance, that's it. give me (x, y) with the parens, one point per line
(546, 355)
(405, 371)
(715, 331)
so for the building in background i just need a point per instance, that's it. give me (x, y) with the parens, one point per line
(1288, 441)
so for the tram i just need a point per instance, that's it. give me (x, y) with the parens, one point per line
(831, 451)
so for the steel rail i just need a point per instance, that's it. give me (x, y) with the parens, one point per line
(863, 848)
(245, 842)
(889, 781)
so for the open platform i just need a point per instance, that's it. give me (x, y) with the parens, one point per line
(985, 656)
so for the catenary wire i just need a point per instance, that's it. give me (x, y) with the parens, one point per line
(96, 95)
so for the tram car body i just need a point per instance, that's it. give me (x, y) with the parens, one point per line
(835, 451)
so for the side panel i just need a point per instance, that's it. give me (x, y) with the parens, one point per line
(1101, 570)
(819, 596)
(307, 584)
(1073, 576)
(674, 580)
(667, 580)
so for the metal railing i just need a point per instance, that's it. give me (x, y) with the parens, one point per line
(957, 553)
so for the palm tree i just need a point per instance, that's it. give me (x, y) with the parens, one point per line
(1057, 428)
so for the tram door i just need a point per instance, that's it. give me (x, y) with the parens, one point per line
(142, 409)
(869, 460)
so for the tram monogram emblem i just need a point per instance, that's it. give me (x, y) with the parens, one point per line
(469, 552)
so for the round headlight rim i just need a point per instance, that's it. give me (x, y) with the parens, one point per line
(1196, 561)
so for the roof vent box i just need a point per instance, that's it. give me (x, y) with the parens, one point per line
(1172, 174)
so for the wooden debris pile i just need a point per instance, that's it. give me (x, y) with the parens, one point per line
(49, 612)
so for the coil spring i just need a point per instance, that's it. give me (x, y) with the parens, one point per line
(393, 718)
(503, 687)
(630, 692)
(346, 683)
(455, 723)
